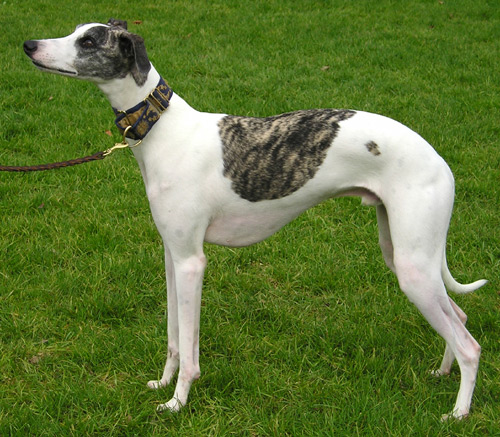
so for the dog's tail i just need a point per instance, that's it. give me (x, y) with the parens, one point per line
(454, 286)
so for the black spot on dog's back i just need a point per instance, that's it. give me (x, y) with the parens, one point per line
(269, 158)
(372, 147)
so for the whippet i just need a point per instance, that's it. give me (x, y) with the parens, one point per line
(235, 181)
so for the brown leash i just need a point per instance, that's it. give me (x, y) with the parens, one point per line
(53, 165)
(95, 157)
(137, 122)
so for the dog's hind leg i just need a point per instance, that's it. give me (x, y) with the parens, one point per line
(419, 222)
(384, 234)
(449, 356)
(427, 292)
(172, 363)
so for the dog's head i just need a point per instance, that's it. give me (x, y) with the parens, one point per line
(94, 52)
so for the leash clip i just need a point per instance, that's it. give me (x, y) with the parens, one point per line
(123, 144)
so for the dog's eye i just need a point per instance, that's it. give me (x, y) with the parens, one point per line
(87, 43)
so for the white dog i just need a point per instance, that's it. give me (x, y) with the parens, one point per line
(235, 181)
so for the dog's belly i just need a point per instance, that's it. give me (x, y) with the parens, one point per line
(251, 223)
(247, 227)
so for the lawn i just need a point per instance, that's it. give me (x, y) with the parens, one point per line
(306, 333)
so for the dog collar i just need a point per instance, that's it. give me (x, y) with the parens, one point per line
(143, 116)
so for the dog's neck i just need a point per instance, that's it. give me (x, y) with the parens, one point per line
(136, 116)
(125, 93)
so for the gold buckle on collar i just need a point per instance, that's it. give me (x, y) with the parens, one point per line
(156, 103)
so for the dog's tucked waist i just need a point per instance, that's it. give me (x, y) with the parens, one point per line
(145, 114)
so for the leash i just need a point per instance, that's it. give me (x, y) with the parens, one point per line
(136, 122)
(95, 157)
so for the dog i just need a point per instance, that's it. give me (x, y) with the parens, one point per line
(234, 181)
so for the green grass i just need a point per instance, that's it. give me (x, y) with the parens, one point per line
(303, 334)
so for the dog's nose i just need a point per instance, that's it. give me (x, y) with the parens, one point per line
(30, 47)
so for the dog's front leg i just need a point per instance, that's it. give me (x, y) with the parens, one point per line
(188, 273)
(172, 363)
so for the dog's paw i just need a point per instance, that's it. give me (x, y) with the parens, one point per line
(438, 373)
(155, 385)
(456, 415)
(173, 405)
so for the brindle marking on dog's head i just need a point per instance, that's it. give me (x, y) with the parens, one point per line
(117, 23)
(372, 147)
(110, 52)
(270, 158)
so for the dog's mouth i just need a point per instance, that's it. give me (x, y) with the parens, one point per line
(42, 67)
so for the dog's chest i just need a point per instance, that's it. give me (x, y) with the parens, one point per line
(270, 158)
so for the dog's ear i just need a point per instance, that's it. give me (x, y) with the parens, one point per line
(132, 46)
(117, 23)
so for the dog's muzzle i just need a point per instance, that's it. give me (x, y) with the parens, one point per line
(30, 47)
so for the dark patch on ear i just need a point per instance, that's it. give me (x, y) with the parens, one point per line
(372, 147)
(132, 46)
(117, 23)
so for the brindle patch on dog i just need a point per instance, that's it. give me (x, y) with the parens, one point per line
(111, 52)
(269, 158)
(372, 147)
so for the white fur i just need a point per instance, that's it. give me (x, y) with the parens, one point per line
(192, 202)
